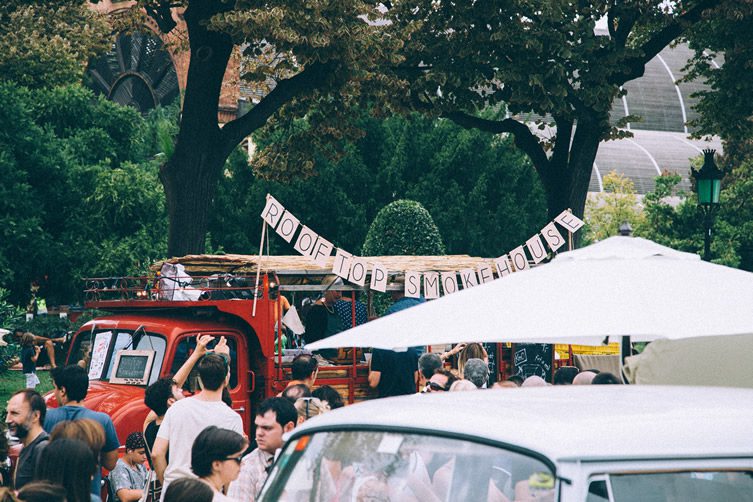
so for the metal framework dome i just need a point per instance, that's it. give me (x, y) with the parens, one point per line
(137, 72)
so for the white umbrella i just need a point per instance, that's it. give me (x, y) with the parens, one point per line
(622, 286)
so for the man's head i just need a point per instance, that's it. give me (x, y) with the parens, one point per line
(534, 381)
(441, 381)
(214, 371)
(477, 372)
(304, 367)
(160, 395)
(274, 417)
(135, 448)
(584, 378)
(428, 363)
(71, 383)
(565, 375)
(18, 332)
(605, 378)
(294, 392)
(25, 413)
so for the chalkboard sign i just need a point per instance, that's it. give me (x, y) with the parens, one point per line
(533, 359)
(491, 350)
(132, 367)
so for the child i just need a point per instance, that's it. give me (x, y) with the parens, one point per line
(29, 355)
(129, 477)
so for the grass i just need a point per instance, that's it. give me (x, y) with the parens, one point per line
(11, 381)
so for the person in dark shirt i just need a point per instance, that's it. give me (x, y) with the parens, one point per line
(29, 355)
(25, 416)
(393, 373)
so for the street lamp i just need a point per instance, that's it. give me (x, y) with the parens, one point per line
(708, 185)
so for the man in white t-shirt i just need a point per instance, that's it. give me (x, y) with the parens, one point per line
(186, 418)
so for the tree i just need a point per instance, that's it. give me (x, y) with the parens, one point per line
(80, 196)
(542, 57)
(605, 212)
(403, 228)
(314, 51)
(43, 44)
(479, 188)
(724, 107)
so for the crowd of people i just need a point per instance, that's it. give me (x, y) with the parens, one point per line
(196, 447)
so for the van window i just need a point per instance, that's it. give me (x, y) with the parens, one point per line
(187, 345)
(386, 466)
(677, 486)
(673, 486)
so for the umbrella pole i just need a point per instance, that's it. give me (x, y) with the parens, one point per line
(625, 351)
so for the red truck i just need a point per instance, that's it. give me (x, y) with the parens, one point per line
(152, 325)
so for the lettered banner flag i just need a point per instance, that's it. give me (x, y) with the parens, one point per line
(429, 284)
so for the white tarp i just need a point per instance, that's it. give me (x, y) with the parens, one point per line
(620, 286)
(707, 360)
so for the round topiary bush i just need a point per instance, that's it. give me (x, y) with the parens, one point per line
(403, 227)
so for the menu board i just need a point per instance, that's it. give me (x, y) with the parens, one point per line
(533, 359)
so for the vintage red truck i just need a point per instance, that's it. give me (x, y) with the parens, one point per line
(152, 323)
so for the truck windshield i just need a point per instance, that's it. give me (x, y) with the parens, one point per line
(113, 341)
(673, 486)
(384, 466)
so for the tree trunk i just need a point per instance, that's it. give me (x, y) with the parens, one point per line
(190, 182)
(566, 177)
(190, 175)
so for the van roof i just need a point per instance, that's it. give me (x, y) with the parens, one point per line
(574, 423)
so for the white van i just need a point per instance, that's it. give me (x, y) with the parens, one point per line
(575, 443)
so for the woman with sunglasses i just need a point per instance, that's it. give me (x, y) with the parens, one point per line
(216, 459)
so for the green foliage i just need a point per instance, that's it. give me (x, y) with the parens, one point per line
(80, 195)
(44, 44)
(605, 212)
(479, 188)
(679, 225)
(403, 228)
(725, 106)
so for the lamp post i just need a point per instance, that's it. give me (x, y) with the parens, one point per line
(708, 185)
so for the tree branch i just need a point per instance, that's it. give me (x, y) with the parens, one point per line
(315, 75)
(636, 66)
(524, 138)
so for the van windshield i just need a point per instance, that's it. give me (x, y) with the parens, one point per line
(390, 466)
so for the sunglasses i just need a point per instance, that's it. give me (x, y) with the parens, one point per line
(237, 459)
(435, 386)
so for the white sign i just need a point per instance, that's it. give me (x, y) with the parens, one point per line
(272, 211)
(306, 240)
(431, 285)
(485, 274)
(519, 259)
(341, 266)
(378, 278)
(449, 282)
(99, 354)
(358, 270)
(287, 227)
(568, 220)
(413, 284)
(552, 236)
(322, 250)
(468, 278)
(536, 248)
(503, 266)
(355, 269)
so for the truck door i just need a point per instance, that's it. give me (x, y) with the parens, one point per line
(239, 381)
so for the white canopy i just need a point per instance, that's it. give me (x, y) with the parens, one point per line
(620, 286)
